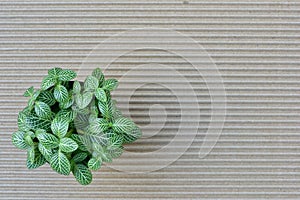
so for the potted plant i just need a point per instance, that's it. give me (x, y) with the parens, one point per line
(73, 126)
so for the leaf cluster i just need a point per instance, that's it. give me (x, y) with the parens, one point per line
(73, 126)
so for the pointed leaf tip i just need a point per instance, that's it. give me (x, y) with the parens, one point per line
(29, 92)
(48, 82)
(110, 84)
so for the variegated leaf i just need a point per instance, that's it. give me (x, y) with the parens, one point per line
(76, 87)
(123, 125)
(39, 160)
(94, 163)
(67, 145)
(100, 94)
(60, 163)
(47, 97)
(54, 71)
(19, 141)
(82, 174)
(81, 141)
(48, 82)
(46, 152)
(66, 75)
(48, 140)
(83, 100)
(79, 157)
(59, 126)
(132, 135)
(105, 109)
(60, 93)
(110, 84)
(29, 92)
(99, 125)
(97, 73)
(91, 83)
(42, 109)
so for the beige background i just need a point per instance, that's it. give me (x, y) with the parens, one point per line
(256, 46)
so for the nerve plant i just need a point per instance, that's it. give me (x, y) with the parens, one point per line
(73, 126)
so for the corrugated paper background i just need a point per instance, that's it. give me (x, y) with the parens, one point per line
(255, 46)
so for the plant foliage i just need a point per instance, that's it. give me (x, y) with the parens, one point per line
(73, 126)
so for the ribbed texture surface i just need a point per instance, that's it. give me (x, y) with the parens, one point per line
(256, 47)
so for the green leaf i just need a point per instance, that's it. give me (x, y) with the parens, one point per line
(105, 109)
(97, 73)
(42, 109)
(81, 121)
(76, 87)
(110, 84)
(98, 138)
(123, 125)
(48, 140)
(19, 141)
(35, 122)
(39, 160)
(79, 157)
(22, 122)
(68, 102)
(31, 154)
(81, 141)
(92, 118)
(48, 82)
(99, 125)
(68, 114)
(47, 97)
(94, 163)
(83, 111)
(60, 163)
(46, 152)
(59, 126)
(82, 174)
(26, 110)
(91, 83)
(132, 135)
(66, 75)
(39, 131)
(115, 141)
(60, 93)
(94, 109)
(67, 145)
(83, 100)
(102, 153)
(115, 152)
(36, 94)
(116, 113)
(29, 92)
(87, 98)
(33, 98)
(31, 102)
(54, 71)
(30, 134)
(100, 94)
(28, 138)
